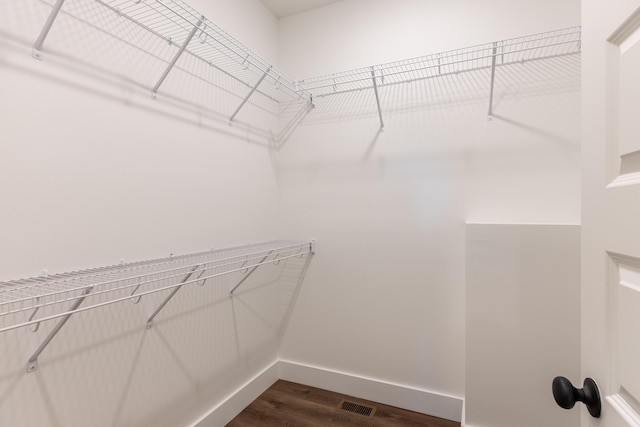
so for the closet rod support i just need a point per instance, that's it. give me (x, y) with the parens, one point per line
(493, 76)
(36, 52)
(246, 98)
(154, 91)
(375, 88)
(248, 274)
(32, 363)
(171, 295)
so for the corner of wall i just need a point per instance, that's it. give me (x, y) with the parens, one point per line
(398, 395)
(230, 407)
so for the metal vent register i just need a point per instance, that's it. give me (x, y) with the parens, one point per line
(357, 408)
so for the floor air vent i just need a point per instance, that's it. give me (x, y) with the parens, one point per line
(357, 408)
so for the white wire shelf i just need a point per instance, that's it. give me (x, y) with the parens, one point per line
(173, 20)
(29, 302)
(550, 44)
(191, 34)
(188, 33)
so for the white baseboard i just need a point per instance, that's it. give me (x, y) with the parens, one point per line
(401, 396)
(227, 410)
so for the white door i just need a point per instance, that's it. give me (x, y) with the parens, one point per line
(611, 208)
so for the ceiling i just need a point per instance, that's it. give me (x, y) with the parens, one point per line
(283, 8)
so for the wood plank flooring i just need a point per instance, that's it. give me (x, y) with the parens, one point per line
(294, 405)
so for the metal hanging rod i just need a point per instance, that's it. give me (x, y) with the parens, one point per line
(28, 302)
(534, 47)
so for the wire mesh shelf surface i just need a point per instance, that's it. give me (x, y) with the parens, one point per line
(26, 303)
(184, 32)
(180, 25)
(534, 47)
(174, 20)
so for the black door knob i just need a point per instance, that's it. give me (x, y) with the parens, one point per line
(566, 395)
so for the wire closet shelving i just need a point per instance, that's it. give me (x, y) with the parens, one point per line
(29, 302)
(180, 25)
(484, 56)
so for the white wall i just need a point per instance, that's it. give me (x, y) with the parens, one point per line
(523, 323)
(384, 298)
(92, 170)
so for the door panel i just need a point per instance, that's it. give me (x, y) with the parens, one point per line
(624, 321)
(611, 208)
(627, 51)
(623, 87)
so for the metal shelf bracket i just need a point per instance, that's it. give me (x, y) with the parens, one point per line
(246, 98)
(154, 91)
(249, 274)
(36, 52)
(375, 88)
(32, 363)
(172, 294)
(493, 76)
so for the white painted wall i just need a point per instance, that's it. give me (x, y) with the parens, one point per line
(384, 298)
(92, 170)
(523, 323)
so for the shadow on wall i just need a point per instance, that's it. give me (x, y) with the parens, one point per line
(93, 49)
(105, 368)
(542, 133)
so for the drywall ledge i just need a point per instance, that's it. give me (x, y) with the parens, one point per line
(401, 396)
(522, 322)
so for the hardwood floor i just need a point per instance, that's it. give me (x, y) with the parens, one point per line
(294, 405)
